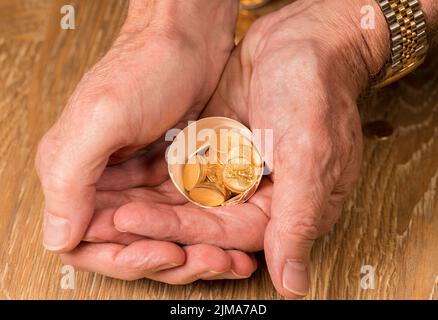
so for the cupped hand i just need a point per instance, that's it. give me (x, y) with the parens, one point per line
(298, 72)
(161, 71)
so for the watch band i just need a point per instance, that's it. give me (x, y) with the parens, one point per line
(408, 39)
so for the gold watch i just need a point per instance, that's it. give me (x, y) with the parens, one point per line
(408, 39)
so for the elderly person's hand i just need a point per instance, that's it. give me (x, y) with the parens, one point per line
(161, 71)
(299, 72)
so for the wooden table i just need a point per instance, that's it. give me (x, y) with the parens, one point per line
(390, 222)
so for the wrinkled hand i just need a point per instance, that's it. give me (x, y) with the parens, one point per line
(160, 72)
(299, 72)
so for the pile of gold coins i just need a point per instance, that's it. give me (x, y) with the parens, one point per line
(223, 171)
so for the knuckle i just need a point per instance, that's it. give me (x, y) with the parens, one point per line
(46, 150)
(303, 224)
(55, 184)
(201, 252)
(204, 253)
(103, 111)
(136, 267)
(95, 99)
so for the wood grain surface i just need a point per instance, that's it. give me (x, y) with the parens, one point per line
(390, 222)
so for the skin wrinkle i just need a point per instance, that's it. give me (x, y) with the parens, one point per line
(232, 233)
(185, 229)
(180, 226)
(116, 255)
(374, 47)
(262, 204)
(139, 16)
(138, 265)
(303, 226)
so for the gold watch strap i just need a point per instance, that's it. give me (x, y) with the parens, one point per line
(408, 39)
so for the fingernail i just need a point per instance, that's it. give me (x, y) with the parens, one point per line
(167, 266)
(240, 276)
(119, 229)
(56, 232)
(92, 239)
(295, 278)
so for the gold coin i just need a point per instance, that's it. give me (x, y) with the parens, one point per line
(194, 172)
(215, 175)
(239, 175)
(215, 172)
(207, 194)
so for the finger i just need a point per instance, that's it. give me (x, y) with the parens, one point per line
(202, 262)
(236, 227)
(303, 182)
(146, 170)
(343, 186)
(111, 199)
(243, 266)
(146, 258)
(131, 262)
(164, 193)
(101, 229)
